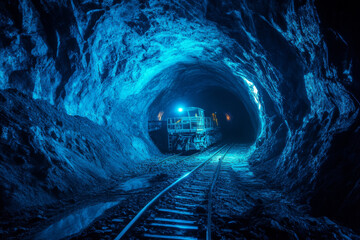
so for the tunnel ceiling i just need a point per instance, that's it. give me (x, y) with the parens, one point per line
(109, 61)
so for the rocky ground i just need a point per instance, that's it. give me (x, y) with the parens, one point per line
(249, 207)
(49, 159)
(245, 206)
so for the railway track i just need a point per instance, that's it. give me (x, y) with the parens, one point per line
(183, 209)
(115, 219)
(176, 160)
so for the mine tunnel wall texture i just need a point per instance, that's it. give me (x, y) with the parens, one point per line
(107, 61)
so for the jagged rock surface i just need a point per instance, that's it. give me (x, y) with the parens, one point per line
(47, 155)
(109, 60)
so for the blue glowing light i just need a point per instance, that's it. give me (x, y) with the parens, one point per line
(180, 109)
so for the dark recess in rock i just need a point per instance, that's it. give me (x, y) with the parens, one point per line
(21, 80)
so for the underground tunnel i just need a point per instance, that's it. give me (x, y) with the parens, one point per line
(202, 85)
(147, 119)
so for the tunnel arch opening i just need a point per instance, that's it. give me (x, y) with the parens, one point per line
(212, 87)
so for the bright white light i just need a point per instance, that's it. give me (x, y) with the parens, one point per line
(254, 90)
(180, 109)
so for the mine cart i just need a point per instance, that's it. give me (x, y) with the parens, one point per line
(192, 130)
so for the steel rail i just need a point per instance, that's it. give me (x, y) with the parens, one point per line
(216, 175)
(157, 197)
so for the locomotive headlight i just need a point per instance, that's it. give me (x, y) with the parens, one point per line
(180, 109)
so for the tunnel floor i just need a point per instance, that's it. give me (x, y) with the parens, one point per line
(244, 205)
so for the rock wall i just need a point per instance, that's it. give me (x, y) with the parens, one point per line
(47, 155)
(109, 60)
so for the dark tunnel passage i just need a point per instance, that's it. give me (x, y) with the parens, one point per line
(205, 86)
(240, 127)
(87, 87)
(235, 122)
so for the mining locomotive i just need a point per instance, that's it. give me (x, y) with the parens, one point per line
(192, 130)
